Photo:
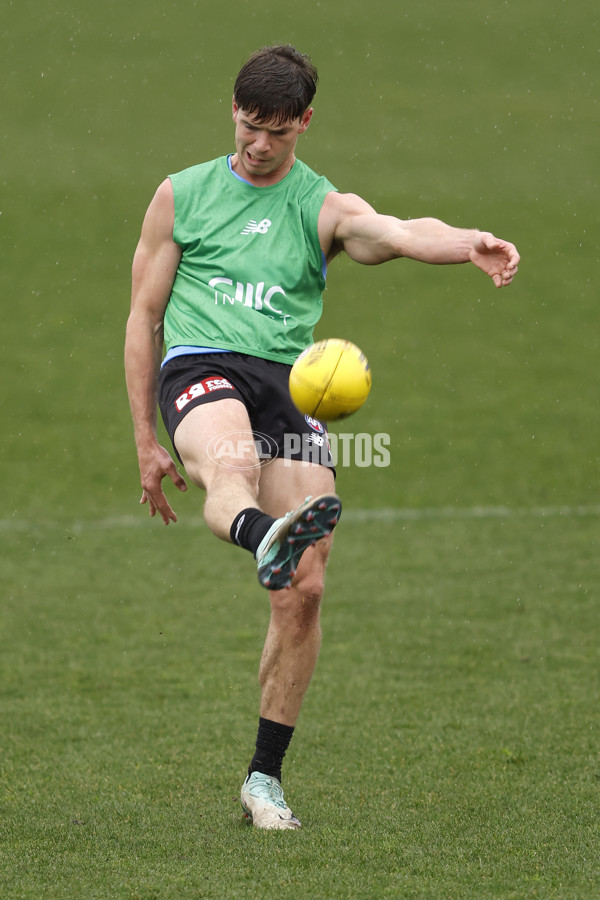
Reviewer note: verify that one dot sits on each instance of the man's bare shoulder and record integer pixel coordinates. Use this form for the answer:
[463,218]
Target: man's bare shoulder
[160,215]
[338,208]
[336,203]
[163,197]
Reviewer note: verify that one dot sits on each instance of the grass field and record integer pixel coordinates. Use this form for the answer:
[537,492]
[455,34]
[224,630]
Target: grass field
[448,747]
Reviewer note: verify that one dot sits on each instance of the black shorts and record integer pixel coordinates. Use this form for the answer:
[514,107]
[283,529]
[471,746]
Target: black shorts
[279,429]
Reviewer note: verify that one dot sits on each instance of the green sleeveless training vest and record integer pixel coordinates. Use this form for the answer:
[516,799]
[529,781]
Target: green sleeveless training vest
[251,274]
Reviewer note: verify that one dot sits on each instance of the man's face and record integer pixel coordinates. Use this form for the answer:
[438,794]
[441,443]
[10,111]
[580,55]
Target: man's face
[265,150]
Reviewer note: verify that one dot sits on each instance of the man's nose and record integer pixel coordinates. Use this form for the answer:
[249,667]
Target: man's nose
[262,142]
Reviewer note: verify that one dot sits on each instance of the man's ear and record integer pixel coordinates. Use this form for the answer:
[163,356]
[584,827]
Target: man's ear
[305,120]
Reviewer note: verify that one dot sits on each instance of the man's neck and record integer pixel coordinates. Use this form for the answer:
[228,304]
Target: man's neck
[257,180]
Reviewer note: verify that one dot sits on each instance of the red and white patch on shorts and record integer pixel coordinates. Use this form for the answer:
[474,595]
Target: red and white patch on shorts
[315,424]
[206,386]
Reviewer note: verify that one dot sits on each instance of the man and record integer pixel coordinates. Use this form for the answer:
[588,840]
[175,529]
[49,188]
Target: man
[228,273]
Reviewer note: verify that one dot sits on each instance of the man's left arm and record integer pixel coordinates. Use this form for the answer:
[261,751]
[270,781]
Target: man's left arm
[348,223]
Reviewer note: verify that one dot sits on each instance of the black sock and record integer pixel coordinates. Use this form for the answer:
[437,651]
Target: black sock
[249,528]
[272,741]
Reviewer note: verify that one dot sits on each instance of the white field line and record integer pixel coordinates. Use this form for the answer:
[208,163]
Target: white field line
[381,514]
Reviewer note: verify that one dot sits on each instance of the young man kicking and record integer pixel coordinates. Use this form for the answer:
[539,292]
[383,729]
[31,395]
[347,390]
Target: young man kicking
[228,275]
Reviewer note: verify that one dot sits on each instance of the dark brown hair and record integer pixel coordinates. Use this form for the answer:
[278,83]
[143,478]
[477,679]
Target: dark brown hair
[276,83]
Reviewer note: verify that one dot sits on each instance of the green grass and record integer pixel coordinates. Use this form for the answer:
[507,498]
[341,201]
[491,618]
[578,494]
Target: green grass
[449,741]
[448,747]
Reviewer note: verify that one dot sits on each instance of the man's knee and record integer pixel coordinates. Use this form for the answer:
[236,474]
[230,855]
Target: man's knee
[309,588]
[296,611]
[210,475]
[303,600]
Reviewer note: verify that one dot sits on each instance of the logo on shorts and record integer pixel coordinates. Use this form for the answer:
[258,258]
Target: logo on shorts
[315,424]
[207,386]
[254,227]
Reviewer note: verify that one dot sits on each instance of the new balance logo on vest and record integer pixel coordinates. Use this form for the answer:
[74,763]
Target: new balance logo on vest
[254,227]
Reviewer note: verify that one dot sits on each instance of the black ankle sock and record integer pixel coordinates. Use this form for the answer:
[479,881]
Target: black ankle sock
[272,741]
[249,528]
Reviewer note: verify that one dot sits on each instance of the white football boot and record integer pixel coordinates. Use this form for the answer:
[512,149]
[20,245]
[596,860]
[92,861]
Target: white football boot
[263,802]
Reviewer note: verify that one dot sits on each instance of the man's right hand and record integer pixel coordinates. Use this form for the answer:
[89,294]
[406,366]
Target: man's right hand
[154,467]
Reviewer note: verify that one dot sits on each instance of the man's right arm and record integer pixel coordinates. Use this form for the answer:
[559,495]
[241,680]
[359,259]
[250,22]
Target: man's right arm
[155,264]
